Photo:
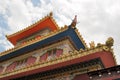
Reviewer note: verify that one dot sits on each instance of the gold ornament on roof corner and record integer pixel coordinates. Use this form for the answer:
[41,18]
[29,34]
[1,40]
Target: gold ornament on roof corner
[106,48]
[74,22]
[92,44]
[51,14]
[109,42]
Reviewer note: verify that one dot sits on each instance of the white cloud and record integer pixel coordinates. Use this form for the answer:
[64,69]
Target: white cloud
[98,19]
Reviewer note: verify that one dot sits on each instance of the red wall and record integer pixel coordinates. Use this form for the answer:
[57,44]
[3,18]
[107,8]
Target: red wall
[108,60]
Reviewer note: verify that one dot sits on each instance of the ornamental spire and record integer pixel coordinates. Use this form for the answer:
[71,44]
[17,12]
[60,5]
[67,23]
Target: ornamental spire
[73,24]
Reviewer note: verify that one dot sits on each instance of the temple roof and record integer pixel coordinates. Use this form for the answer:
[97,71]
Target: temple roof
[47,21]
[56,35]
[66,32]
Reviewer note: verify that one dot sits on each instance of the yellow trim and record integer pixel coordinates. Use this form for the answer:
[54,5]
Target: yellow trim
[81,38]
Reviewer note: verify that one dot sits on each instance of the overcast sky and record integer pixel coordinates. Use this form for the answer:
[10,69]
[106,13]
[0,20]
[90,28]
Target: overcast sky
[97,19]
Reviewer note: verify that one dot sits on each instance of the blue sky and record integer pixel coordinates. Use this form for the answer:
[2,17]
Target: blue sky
[35,2]
[99,19]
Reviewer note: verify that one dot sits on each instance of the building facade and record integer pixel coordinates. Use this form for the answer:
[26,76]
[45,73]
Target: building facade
[45,51]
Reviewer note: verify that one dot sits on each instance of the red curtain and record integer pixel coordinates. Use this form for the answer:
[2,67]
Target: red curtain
[11,66]
[1,69]
[31,60]
[59,52]
[44,57]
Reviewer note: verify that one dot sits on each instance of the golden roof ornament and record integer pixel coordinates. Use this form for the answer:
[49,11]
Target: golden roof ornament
[51,14]
[74,22]
[109,42]
[92,44]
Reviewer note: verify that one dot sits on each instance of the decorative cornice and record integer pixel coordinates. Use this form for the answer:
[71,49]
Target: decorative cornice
[41,51]
[74,72]
[62,58]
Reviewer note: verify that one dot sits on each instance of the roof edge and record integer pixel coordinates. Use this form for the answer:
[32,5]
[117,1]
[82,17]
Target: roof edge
[34,41]
[50,15]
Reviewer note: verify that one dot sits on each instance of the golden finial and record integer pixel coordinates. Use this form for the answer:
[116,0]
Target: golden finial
[109,42]
[51,14]
[74,22]
[92,44]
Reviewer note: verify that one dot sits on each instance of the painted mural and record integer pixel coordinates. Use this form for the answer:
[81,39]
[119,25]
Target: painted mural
[43,54]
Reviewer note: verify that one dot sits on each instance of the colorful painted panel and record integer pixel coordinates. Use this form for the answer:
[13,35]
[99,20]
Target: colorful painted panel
[55,50]
[34,36]
[59,52]
[46,53]
[44,57]
[31,60]
[11,66]
[51,54]
[21,63]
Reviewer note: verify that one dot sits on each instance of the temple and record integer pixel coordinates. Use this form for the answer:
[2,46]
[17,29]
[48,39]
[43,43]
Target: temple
[45,51]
